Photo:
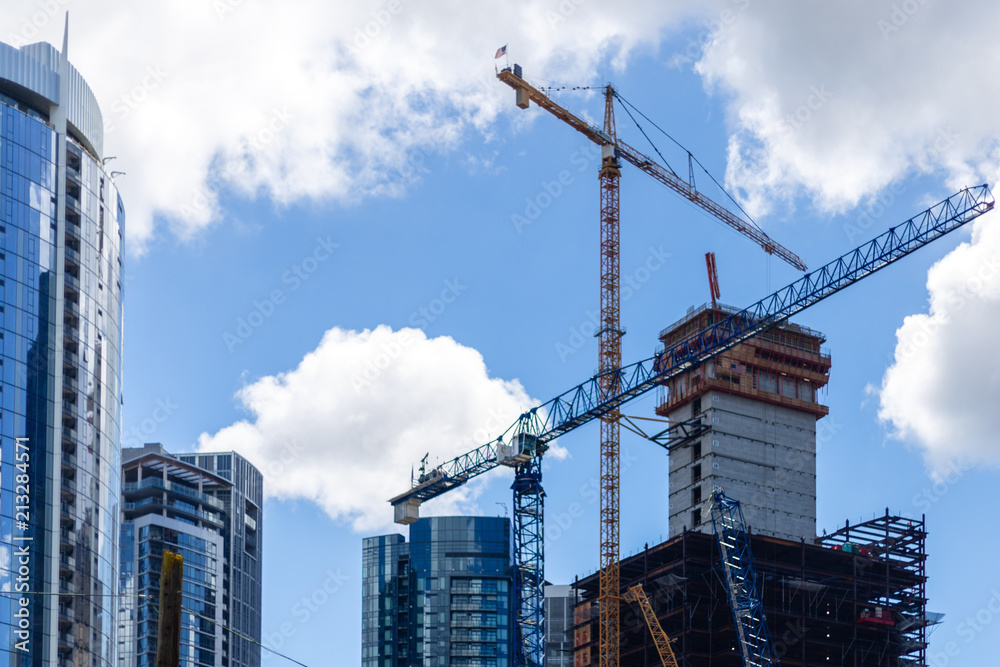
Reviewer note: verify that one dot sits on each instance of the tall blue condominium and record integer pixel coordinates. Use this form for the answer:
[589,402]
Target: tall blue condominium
[443,598]
[61,224]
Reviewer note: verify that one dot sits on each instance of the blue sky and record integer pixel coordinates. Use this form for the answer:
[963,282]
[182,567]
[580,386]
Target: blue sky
[329,268]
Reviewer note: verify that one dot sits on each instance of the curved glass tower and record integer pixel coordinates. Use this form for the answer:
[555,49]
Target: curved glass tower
[61,226]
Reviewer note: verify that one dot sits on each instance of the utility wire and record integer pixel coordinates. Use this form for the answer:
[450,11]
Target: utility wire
[150,598]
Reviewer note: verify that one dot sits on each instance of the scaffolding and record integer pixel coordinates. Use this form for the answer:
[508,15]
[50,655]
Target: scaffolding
[855,598]
[892,557]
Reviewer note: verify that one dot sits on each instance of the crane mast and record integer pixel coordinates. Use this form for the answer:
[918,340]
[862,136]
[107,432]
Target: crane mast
[609,354]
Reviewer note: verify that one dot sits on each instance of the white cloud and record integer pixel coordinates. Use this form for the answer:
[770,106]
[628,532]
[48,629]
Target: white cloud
[838,100]
[943,388]
[344,428]
[313,99]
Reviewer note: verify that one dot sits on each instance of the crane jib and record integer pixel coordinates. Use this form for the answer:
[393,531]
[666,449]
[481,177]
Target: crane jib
[586,402]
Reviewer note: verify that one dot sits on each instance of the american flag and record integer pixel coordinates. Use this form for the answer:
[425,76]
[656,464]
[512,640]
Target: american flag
[502,51]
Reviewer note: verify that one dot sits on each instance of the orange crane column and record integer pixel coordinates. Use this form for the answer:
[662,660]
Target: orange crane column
[609,360]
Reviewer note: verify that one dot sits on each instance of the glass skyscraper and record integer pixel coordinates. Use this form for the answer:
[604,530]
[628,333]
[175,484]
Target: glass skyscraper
[61,226]
[243,502]
[444,598]
[168,505]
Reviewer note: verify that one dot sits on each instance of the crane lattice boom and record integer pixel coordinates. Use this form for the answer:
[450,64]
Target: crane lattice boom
[741,580]
[585,402]
[660,638]
[526,92]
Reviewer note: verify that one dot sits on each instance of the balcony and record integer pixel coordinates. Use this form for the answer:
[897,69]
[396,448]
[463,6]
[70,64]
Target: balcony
[71,336]
[73,202]
[73,229]
[69,415]
[180,489]
[68,487]
[72,259]
[67,540]
[73,173]
[66,616]
[72,283]
[67,562]
[157,505]
[66,518]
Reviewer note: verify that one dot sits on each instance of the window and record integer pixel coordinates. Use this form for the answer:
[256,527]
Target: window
[696,495]
[696,451]
[695,473]
[695,518]
[696,407]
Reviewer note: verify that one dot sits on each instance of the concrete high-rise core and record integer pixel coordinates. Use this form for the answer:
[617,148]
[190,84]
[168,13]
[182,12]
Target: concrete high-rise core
[759,401]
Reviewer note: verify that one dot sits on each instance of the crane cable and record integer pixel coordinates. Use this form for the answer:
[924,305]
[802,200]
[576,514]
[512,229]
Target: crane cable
[627,104]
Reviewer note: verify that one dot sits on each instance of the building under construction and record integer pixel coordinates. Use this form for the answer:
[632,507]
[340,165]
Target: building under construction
[855,597]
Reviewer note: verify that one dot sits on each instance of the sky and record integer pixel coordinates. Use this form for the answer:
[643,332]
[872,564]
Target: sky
[347,247]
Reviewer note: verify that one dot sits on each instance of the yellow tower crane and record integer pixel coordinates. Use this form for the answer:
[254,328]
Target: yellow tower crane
[610,333]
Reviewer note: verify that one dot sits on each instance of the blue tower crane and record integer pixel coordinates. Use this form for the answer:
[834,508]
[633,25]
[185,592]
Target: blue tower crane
[741,580]
[524,442]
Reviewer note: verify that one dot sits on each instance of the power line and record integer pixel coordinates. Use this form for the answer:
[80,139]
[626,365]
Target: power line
[223,626]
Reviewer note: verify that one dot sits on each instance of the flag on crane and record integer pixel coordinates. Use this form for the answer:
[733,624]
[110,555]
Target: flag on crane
[502,51]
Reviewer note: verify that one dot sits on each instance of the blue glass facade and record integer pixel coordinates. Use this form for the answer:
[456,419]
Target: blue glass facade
[444,598]
[243,502]
[61,225]
[170,506]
